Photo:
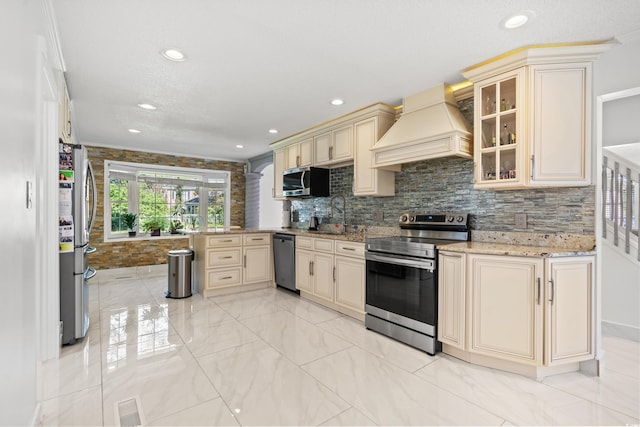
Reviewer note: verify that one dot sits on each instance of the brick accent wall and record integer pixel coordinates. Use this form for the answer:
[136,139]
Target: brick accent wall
[152,251]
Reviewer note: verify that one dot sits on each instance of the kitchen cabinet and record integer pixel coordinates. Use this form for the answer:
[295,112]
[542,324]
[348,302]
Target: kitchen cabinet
[451,299]
[64,127]
[279,167]
[299,155]
[569,310]
[314,267]
[367,180]
[340,142]
[532,117]
[332,273]
[232,262]
[505,307]
[256,253]
[335,146]
[530,315]
[350,276]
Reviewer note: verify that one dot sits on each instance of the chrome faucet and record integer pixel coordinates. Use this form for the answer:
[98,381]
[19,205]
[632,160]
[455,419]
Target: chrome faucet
[343,210]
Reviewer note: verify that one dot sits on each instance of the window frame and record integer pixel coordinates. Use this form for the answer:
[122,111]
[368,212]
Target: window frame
[133,196]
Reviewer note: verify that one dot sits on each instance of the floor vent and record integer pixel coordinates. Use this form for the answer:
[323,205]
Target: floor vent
[128,413]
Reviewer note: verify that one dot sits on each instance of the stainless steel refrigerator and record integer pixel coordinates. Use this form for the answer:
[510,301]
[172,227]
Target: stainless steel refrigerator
[77,189]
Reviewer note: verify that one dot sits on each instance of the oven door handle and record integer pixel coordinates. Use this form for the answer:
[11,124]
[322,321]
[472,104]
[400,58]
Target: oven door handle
[426,264]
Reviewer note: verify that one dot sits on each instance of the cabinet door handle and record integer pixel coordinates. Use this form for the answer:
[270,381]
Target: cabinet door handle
[227,241]
[538,297]
[226,278]
[334,274]
[227,257]
[311,264]
[298,161]
[553,292]
[330,153]
[244,262]
[257,238]
[532,165]
[349,249]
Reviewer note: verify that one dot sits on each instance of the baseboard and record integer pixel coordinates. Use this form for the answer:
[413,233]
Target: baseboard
[621,330]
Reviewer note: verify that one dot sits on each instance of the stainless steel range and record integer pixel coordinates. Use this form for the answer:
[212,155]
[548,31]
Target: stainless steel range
[402,278]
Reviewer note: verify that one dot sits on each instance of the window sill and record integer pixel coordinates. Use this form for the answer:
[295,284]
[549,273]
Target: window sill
[140,237]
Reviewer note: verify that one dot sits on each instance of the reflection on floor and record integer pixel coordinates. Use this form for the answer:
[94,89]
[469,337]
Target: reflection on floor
[270,358]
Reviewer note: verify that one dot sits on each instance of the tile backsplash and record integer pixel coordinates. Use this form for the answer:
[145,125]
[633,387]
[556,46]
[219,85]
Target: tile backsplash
[446,185]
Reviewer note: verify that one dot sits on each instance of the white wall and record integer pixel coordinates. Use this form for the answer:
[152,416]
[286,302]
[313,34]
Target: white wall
[618,69]
[23,30]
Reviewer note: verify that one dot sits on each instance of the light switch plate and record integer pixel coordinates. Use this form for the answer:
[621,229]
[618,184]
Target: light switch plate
[521,220]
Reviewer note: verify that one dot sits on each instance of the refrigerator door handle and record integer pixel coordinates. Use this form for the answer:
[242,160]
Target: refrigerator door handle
[94,194]
[90,273]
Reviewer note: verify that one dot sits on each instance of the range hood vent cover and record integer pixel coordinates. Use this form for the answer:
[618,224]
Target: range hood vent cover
[430,127]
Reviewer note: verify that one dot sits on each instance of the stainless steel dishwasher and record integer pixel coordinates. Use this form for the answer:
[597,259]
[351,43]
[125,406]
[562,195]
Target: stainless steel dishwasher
[284,260]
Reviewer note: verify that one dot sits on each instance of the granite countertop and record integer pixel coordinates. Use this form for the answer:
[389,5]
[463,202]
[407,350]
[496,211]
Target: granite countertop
[490,248]
[358,237]
[483,242]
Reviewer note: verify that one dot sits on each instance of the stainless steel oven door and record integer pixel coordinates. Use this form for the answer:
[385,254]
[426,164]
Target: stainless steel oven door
[402,290]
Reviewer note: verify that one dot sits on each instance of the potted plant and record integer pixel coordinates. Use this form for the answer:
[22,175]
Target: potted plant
[129,220]
[175,226]
[153,226]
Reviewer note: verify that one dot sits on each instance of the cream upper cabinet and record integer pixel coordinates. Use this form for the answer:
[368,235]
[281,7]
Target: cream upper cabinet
[299,155]
[569,322]
[451,299]
[335,146]
[506,311]
[532,117]
[278,168]
[367,180]
[64,126]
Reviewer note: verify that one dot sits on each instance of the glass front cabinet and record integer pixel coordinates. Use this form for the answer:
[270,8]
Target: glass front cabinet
[532,112]
[499,122]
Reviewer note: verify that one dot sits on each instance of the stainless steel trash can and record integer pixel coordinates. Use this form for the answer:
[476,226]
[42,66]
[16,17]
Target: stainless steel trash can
[180,262]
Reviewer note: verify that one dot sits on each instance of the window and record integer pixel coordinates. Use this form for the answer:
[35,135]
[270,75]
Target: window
[164,198]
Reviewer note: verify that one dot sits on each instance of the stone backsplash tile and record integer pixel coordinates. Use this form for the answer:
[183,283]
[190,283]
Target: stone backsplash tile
[149,252]
[446,185]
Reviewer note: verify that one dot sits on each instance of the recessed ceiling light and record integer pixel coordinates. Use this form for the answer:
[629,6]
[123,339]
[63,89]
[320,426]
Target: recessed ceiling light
[273,130]
[147,106]
[517,20]
[173,55]
[239,146]
[337,101]
[134,131]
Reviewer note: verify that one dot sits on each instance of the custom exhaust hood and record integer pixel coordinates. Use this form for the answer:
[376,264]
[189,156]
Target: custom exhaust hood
[431,126]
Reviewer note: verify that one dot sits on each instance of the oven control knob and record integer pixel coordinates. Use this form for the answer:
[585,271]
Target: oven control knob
[403,218]
[412,218]
[449,219]
[459,219]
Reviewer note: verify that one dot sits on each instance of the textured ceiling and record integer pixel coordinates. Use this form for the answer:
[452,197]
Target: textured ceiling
[253,65]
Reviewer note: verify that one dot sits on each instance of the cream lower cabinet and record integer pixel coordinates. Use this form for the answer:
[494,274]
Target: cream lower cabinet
[569,310]
[336,281]
[350,277]
[528,315]
[314,267]
[231,262]
[506,307]
[451,299]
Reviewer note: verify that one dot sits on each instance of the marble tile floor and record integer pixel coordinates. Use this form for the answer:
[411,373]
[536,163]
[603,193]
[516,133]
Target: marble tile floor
[268,357]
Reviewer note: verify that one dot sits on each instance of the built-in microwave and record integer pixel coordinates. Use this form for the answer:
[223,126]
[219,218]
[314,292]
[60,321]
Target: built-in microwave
[305,182]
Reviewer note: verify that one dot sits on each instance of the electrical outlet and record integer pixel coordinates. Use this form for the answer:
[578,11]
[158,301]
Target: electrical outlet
[521,220]
[378,216]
